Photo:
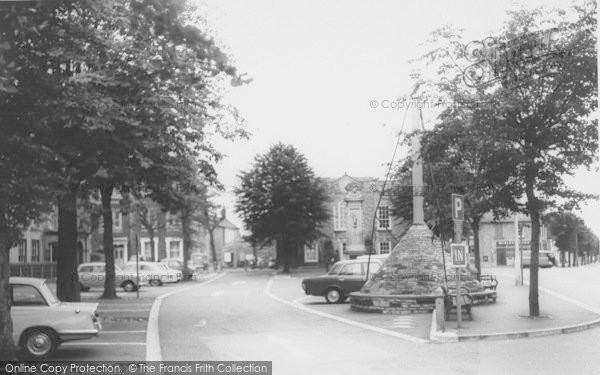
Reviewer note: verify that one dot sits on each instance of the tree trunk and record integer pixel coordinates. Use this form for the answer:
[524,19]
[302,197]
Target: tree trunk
[151,235]
[475,227]
[213,250]
[107,239]
[162,234]
[283,252]
[187,239]
[534,214]
[7,346]
[67,281]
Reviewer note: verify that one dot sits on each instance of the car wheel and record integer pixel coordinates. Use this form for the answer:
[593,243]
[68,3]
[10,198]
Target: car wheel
[129,286]
[39,343]
[334,295]
[155,282]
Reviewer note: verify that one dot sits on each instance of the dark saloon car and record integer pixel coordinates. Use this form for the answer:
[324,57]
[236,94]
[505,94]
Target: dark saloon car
[343,278]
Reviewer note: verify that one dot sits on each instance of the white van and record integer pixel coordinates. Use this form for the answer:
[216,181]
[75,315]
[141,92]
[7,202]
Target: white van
[544,259]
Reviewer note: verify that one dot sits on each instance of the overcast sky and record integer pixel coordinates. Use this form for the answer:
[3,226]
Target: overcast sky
[316,67]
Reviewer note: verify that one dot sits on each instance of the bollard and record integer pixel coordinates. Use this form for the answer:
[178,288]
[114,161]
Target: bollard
[439,309]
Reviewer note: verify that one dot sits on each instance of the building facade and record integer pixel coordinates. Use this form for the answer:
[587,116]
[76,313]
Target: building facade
[357,223]
[39,243]
[497,239]
[35,253]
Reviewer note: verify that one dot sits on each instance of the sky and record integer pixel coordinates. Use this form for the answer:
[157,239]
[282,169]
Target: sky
[320,67]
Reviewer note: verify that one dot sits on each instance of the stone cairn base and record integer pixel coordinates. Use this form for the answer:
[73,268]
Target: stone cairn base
[410,277]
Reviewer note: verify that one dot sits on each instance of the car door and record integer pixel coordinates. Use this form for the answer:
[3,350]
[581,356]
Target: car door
[85,275]
[98,276]
[350,278]
[28,307]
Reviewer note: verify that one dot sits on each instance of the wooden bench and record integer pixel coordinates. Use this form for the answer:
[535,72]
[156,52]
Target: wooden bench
[488,281]
[450,304]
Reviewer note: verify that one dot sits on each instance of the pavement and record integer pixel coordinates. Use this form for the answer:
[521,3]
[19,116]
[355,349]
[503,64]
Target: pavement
[508,318]
[124,323]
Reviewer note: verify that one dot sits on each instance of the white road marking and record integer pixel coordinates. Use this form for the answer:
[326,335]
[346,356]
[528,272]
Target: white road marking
[123,304]
[153,351]
[217,293]
[238,282]
[302,307]
[289,346]
[201,323]
[80,343]
[297,300]
[558,295]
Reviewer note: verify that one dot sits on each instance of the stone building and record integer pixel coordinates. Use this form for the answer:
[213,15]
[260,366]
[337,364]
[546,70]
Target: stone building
[497,239]
[167,235]
[35,253]
[353,209]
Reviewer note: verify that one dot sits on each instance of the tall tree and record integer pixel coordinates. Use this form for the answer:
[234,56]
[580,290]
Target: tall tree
[281,200]
[539,107]
[571,235]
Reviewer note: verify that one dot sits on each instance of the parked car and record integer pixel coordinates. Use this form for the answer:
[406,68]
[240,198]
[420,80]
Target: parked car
[176,264]
[343,278]
[155,273]
[41,322]
[545,259]
[92,275]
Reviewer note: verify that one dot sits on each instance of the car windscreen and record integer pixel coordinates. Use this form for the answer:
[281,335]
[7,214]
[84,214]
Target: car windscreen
[335,269]
[52,299]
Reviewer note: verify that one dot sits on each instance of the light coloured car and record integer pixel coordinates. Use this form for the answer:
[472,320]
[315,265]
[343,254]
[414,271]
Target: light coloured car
[92,275]
[155,273]
[41,322]
[176,264]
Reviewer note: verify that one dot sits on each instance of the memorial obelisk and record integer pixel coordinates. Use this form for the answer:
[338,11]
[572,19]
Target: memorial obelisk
[415,265]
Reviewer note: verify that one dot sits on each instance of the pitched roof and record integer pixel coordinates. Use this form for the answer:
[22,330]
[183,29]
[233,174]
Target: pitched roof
[225,223]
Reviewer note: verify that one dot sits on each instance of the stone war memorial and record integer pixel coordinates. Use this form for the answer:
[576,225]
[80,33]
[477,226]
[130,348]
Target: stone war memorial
[414,271]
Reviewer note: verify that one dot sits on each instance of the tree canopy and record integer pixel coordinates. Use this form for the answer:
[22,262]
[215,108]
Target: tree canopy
[280,199]
[531,90]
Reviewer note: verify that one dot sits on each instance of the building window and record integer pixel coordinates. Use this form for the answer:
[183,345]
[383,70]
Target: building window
[173,222]
[23,251]
[339,216]
[35,251]
[147,250]
[383,217]
[117,220]
[119,250]
[498,231]
[175,249]
[52,247]
[311,253]
[384,247]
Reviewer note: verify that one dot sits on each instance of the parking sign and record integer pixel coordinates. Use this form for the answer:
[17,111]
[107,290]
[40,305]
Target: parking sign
[459,253]
[458,207]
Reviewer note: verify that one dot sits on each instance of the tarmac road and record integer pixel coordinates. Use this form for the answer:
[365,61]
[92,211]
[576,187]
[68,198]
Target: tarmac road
[233,318]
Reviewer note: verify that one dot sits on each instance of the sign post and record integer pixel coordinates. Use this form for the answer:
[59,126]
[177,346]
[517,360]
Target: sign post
[458,251]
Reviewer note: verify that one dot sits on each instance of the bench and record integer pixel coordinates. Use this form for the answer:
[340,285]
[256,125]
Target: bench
[450,307]
[488,281]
